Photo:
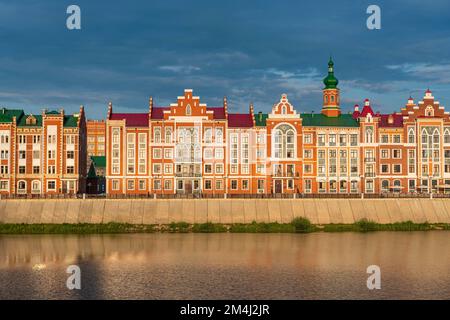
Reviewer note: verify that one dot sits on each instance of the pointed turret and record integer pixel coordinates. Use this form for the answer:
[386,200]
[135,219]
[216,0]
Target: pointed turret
[331,93]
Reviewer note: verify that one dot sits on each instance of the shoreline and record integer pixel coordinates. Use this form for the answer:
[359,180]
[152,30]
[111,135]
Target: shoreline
[298,225]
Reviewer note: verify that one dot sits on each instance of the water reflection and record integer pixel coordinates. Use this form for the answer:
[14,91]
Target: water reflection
[239,266]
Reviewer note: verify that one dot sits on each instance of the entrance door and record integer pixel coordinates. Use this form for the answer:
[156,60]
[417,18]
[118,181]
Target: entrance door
[278,186]
[188,187]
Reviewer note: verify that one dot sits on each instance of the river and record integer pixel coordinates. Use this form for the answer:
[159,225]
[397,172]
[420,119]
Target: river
[414,265]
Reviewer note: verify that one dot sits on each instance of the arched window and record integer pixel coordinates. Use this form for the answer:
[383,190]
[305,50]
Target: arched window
[168,135]
[369,135]
[411,136]
[22,186]
[385,185]
[188,110]
[332,98]
[429,111]
[436,136]
[290,144]
[283,110]
[36,186]
[208,135]
[446,135]
[284,142]
[219,135]
[157,135]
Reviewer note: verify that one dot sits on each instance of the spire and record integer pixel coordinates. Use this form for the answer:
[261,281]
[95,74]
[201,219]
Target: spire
[331,93]
[330,80]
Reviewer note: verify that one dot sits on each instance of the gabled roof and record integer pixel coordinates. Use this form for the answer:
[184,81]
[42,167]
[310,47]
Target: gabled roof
[240,120]
[320,120]
[158,112]
[219,112]
[132,119]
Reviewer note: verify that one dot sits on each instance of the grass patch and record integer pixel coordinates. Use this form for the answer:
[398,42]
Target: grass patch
[179,227]
[81,228]
[262,227]
[298,225]
[208,227]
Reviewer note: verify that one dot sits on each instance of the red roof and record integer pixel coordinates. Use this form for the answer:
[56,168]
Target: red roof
[366,110]
[219,112]
[158,112]
[132,119]
[239,120]
[397,121]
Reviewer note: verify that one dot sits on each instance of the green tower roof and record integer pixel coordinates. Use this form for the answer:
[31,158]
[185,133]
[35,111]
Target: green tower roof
[330,80]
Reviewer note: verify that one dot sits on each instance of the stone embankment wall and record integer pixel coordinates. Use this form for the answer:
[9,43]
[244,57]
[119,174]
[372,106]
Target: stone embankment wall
[150,211]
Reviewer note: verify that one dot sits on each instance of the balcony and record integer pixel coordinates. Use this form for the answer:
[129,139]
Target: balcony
[187,175]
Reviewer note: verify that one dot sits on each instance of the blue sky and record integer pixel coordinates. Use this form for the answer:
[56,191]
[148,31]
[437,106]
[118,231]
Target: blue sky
[247,50]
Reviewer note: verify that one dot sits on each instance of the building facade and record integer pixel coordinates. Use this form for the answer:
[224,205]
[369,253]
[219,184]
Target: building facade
[191,148]
[96,140]
[42,154]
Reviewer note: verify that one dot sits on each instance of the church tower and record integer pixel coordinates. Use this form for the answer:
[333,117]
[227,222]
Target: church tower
[331,93]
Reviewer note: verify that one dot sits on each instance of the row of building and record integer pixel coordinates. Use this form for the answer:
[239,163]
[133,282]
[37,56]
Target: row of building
[189,147]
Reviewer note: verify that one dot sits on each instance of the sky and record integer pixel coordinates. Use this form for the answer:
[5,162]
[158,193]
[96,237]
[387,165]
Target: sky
[247,50]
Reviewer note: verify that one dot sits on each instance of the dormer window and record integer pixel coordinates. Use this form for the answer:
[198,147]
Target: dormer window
[429,111]
[391,119]
[30,120]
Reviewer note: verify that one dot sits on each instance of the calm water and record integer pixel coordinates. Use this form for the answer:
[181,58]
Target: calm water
[227,266]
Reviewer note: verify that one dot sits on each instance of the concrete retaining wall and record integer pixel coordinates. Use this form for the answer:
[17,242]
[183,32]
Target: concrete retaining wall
[149,211]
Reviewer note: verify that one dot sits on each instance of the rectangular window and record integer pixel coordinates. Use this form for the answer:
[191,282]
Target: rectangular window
[234,184]
[51,185]
[70,169]
[142,184]
[130,184]
[307,138]
[115,185]
[208,185]
[219,168]
[244,184]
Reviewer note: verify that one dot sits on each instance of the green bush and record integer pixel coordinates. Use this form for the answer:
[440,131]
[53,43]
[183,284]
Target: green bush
[208,227]
[179,227]
[365,225]
[302,225]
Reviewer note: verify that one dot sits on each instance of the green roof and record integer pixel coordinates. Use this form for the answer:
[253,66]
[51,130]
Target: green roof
[52,112]
[70,121]
[330,80]
[23,121]
[6,115]
[260,119]
[320,120]
[99,161]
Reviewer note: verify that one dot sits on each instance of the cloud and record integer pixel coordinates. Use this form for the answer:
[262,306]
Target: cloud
[180,69]
[439,73]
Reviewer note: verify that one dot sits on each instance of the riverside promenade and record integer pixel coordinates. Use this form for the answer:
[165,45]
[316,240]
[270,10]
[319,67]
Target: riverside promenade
[225,211]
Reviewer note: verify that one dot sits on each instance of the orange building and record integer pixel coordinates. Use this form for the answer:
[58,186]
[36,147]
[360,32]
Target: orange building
[96,140]
[191,148]
[42,154]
